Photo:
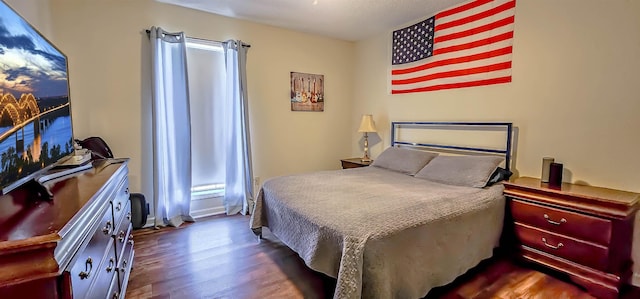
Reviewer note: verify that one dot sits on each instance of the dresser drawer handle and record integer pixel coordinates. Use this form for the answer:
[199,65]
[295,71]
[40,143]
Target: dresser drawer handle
[88,266]
[124,266]
[128,216]
[107,228]
[116,295]
[551,246]
[112,263]
[119,206]
[121,236]
[554,222]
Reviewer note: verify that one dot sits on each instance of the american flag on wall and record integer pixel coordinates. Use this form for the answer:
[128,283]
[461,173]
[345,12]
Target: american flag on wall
[467,45]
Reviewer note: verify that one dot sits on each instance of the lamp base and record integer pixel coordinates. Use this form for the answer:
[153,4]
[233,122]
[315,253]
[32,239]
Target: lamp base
[366,149]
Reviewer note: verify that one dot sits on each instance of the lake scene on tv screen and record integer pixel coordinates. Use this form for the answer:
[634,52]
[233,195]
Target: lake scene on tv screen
[35,117]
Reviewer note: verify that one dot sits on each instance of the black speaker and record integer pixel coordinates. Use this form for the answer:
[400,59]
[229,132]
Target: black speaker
[555,175]
[139,210]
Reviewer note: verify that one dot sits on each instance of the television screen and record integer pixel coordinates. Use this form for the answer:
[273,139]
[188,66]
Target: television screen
[35,116]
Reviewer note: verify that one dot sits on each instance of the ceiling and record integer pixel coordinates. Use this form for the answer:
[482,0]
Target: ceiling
[350,20]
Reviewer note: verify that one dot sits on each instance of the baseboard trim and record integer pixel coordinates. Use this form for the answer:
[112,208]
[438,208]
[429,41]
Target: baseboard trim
[195,214]
[636,280]
[150,222]
[207,212]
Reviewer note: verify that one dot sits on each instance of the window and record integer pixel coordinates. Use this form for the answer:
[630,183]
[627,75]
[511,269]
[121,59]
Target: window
[207,82]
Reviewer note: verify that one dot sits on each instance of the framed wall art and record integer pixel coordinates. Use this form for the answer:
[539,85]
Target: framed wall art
[307,92]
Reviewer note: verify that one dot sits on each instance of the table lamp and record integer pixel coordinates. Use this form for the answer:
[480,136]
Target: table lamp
[367,126]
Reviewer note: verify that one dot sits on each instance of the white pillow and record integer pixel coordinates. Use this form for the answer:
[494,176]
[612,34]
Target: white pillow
[403,160]
[470,171]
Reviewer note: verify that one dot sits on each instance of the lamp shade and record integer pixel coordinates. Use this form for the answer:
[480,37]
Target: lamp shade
[367,125]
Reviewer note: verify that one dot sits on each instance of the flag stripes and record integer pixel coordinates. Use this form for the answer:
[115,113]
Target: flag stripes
[472,46]
[472,18]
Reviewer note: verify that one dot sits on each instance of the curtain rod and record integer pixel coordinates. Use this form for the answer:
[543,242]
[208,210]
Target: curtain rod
[209,40]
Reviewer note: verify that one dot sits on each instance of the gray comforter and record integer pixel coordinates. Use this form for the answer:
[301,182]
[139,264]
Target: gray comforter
[382,234]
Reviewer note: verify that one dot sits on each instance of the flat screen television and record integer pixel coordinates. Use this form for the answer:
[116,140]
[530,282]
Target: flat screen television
[35,113]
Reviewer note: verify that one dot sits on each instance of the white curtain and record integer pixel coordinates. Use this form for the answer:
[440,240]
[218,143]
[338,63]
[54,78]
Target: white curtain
[239,183]
[171,128]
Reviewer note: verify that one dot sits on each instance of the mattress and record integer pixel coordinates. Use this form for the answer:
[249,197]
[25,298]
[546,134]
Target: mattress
[380,233]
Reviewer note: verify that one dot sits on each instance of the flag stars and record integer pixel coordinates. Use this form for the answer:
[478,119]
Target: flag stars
[413,43]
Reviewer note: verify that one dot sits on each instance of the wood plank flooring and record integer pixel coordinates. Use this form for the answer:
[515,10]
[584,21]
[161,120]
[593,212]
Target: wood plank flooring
[219,257]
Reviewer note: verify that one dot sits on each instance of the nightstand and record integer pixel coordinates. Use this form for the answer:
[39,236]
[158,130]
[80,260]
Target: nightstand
[354,162]
[584,232]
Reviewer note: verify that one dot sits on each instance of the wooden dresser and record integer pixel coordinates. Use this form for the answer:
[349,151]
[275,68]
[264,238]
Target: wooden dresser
[77,245]
[583,232]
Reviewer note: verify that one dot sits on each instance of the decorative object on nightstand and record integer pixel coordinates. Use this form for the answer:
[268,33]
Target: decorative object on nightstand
[555,175]
[582,231]
[546,165]
[367,126]
[354,163]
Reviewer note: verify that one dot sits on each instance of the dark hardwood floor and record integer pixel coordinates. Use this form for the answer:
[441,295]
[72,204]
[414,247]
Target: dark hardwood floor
[219,257]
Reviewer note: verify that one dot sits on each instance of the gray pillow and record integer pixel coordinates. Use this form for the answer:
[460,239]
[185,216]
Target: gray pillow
[403,160]
[470,171]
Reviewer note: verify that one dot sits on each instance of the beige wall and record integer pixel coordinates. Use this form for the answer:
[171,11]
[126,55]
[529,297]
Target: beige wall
[36,12]
[575,93]
[109,71]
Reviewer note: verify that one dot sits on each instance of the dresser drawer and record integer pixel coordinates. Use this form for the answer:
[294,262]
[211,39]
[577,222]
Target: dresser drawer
[564,222]
[125,264]
[122,239]
[105,275]
[86,266]
[114,290]
[122,232]
[583,252]
[120,201]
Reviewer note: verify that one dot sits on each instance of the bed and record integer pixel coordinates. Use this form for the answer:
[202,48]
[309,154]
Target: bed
[412,221]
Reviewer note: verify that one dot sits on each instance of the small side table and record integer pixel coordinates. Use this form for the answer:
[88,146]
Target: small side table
[584,231]
[354,162]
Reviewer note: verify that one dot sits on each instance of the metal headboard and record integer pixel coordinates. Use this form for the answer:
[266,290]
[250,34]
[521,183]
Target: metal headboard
[508,127]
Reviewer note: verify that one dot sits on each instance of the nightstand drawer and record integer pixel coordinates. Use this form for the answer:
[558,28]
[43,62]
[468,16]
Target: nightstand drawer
[572,224]
[585,253]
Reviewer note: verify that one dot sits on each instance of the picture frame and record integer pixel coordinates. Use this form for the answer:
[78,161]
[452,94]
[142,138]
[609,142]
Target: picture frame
[307,92]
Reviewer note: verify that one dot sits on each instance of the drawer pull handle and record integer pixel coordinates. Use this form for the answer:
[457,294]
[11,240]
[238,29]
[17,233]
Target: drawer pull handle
[107,228]
[121,236]
[128,216]
[126,191]
[88,266]
[551,246]
[554,222]
[116,295]
[111,264]
[119,206]
[124,266]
